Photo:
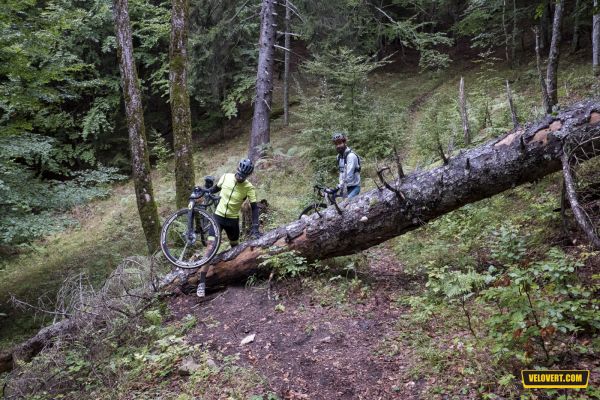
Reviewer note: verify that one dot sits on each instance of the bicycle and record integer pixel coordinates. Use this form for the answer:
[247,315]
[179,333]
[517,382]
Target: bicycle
[329,196]
[184,234]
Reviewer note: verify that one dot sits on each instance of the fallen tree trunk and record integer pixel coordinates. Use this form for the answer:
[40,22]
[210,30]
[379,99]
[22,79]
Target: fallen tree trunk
[30,348]
[522,155]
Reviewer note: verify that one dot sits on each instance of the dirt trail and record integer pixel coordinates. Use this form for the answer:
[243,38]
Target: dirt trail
[311,351]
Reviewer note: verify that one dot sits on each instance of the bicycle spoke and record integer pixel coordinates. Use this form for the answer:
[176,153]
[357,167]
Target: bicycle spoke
[183,251]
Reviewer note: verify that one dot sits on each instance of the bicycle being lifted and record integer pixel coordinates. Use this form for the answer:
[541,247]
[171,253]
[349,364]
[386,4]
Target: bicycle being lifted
[326,197]
[184,237]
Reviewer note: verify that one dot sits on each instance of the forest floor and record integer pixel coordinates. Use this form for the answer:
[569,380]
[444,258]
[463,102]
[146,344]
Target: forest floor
[309,347]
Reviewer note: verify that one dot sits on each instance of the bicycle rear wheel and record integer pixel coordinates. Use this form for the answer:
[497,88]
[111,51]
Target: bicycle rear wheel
[313,208]
[187,248]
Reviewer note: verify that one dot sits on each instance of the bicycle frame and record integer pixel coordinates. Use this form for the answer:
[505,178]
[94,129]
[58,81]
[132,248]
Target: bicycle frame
[209,201]
[329,196]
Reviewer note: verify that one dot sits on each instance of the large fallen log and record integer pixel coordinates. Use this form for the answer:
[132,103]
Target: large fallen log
[522,155]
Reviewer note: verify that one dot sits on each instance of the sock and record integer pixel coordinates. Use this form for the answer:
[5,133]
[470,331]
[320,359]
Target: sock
[202,277]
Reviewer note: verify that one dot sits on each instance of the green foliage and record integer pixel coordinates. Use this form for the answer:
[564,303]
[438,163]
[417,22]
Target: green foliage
[160,151]
[284,265]
[534,306]
[538,302]
[414,35]
[60,105]
[439,127]
[223,55]
[344,103]
[366,28]
[28,202]
[485,21]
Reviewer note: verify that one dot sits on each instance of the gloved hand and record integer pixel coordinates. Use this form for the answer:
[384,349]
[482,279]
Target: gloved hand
[254,232]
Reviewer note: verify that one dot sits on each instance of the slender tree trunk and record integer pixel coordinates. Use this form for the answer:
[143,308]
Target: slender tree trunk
[286,71]
[513,111]
[538,57]
[140,163]
[462,101]
[576,23]
[544,22]
[552,71]
[596,40]
[505,30]
[578,211]
[180,103]
[260,135]
[522,155]
[514,35]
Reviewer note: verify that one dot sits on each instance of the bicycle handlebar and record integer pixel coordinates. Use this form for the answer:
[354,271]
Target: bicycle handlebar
[198,192]
[321,189]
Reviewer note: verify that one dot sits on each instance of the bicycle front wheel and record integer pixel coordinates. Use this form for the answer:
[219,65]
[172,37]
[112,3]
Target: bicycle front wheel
[313,208]
[190,238]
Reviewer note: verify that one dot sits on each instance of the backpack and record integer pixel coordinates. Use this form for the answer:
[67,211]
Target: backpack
[346,160]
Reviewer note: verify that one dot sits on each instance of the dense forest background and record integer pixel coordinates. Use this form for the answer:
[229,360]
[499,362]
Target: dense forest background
[496,286]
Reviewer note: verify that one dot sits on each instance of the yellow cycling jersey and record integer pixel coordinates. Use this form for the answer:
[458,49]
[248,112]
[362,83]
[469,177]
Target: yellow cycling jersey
[233,195]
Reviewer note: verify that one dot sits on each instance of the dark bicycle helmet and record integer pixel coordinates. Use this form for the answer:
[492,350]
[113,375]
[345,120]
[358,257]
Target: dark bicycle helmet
[245,167]
[209,181]
[338,136]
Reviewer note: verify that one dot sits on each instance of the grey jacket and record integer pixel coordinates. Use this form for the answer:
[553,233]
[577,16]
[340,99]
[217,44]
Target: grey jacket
[348,174]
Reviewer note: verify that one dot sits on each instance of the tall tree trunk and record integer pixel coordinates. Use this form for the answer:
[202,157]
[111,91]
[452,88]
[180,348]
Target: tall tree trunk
[286,68]
[180,103]
[140,163]
[514,35]
[462,102]
[523,155]
[260,135]
[576,23]
[596,40]
[552,72]
[505,31]
[544,23]
[538,58]
[511,105]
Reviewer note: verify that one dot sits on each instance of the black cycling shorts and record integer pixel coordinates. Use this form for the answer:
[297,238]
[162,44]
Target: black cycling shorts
[230,225]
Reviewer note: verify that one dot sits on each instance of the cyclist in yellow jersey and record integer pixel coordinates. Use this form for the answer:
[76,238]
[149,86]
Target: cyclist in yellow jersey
[234,188]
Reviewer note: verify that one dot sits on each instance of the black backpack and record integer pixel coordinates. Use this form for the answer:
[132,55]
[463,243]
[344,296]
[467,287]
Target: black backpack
[346,160]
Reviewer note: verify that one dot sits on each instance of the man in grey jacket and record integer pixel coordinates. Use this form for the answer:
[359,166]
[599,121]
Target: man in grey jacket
[349,166]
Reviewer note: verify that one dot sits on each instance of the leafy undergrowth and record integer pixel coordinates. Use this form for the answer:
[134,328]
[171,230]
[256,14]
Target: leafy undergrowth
[507,289]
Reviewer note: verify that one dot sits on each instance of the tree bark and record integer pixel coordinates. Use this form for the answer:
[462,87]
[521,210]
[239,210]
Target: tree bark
[462,101]
[180,103]
[30,348]
[538,58]
[505,31]
[511,105]
[514,36]
[596,40]
[140,163]
[544,23]
[576,23]
[286,68]
[578,211]
[260,135]
[552,71]
[522,155]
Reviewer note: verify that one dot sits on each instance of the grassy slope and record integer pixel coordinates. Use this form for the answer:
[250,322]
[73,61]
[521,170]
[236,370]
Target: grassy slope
[110,230]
